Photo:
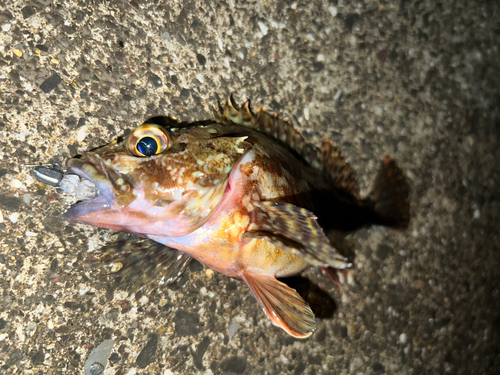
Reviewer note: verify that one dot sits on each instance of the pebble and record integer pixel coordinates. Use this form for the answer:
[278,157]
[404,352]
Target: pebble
[17,52]
[81,134]
[403,338]
[307,113]
[50,83]
[263,28]
[164,342]
[235,365]
[28,12]
[378,110]
[13,217]
[209,273]
[201,59]
[148,353]
[16,184]
[233,328]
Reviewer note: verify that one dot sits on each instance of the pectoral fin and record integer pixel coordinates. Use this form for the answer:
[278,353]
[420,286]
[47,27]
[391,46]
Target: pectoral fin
[283,305]
[295,229]
[140,262]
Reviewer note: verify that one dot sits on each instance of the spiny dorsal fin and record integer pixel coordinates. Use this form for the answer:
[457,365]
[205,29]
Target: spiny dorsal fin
[272,125]
[328,160]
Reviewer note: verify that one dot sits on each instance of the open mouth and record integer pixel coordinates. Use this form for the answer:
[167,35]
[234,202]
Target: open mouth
[89,186]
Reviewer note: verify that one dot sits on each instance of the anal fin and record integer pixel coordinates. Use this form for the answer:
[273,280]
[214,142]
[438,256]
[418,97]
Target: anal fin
[140,262]
[283,305]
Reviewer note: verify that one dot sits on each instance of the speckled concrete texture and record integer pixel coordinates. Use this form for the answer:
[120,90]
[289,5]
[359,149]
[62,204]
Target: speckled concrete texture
[415,79]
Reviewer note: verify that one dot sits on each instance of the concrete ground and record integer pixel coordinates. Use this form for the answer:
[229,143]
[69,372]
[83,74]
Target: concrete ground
[415,79]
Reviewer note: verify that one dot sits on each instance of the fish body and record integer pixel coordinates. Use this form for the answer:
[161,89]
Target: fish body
[244,194]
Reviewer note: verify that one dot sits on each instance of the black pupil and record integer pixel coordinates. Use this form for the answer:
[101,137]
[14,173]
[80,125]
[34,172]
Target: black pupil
[147,146]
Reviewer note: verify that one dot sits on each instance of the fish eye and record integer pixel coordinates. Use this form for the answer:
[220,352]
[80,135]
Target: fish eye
[148,145]
[148,140]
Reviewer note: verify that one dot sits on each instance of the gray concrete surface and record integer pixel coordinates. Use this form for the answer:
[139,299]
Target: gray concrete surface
[415,79]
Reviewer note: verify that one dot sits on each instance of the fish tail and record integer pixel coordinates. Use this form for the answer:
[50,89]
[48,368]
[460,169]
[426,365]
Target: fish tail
[389,196]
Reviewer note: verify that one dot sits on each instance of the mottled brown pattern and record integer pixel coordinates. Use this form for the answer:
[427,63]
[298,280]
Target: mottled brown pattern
[246,196]
[195,159]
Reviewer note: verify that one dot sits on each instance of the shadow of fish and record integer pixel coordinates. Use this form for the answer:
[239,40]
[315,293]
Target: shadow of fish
[245,194]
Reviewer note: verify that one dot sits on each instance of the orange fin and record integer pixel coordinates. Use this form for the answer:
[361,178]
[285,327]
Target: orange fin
[295,229]
[140,262]
[283,305]
[389,196]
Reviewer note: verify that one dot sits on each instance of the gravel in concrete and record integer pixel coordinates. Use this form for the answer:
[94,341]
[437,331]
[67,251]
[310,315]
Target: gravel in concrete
[418,80]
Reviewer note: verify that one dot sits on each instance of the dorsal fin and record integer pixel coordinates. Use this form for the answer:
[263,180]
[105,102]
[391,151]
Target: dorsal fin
[327,160]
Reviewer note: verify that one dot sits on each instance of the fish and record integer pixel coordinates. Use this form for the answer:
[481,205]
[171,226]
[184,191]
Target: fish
[244,193]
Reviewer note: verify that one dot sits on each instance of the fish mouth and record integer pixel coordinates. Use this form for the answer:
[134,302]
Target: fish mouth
[102,201]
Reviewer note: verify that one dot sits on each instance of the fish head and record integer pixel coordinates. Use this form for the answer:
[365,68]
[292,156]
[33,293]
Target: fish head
[158,180]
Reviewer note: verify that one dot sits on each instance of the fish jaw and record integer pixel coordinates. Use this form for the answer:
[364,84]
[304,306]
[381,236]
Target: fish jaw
[101,202]
[134,212]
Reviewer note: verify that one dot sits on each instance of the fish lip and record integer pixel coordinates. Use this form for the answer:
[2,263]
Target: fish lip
[103,200]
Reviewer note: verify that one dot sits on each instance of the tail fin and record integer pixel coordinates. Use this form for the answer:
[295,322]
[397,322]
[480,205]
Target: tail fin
[389,196]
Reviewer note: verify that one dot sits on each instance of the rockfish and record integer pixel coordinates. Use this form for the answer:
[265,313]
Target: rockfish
[244,194]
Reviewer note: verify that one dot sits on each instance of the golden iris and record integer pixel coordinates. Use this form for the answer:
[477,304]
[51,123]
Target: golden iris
[148,140]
